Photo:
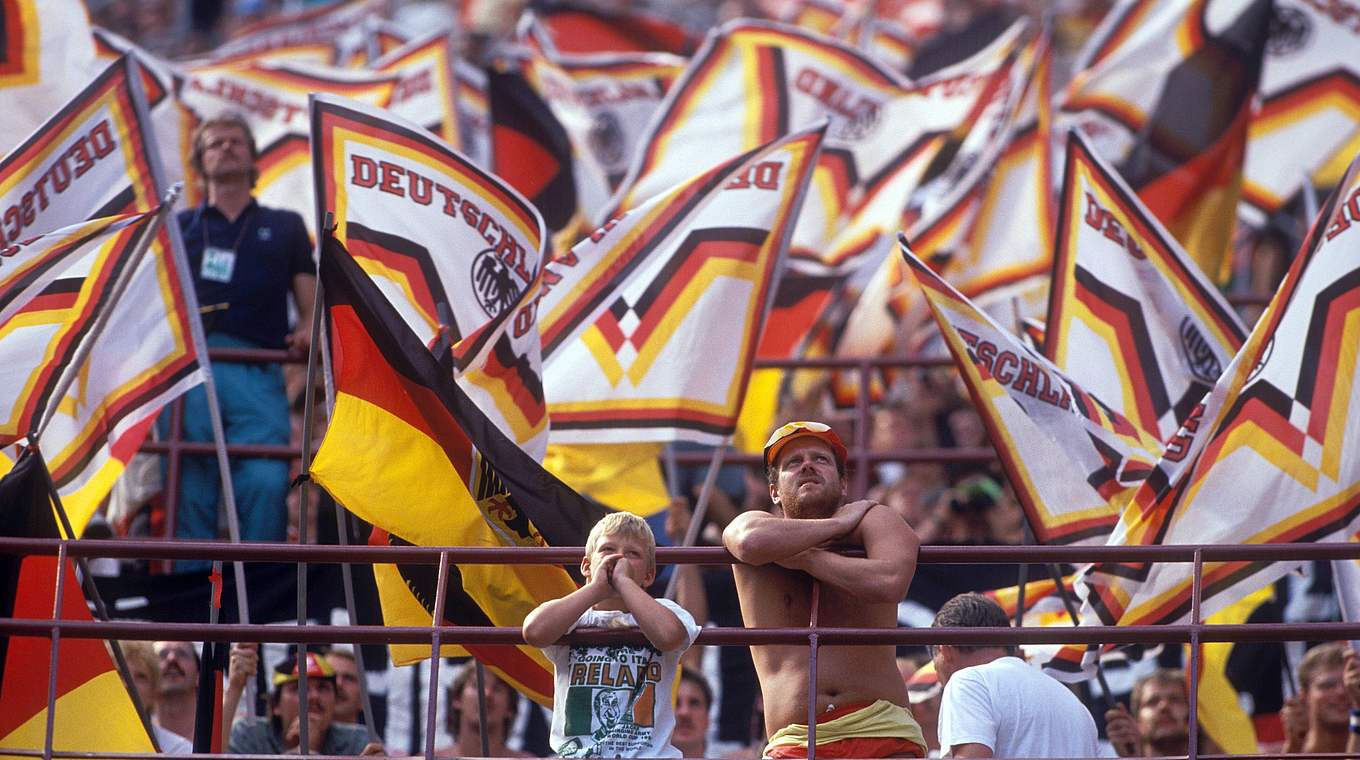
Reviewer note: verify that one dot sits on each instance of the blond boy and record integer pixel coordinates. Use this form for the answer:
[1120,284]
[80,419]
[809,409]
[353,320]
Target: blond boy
[614,700]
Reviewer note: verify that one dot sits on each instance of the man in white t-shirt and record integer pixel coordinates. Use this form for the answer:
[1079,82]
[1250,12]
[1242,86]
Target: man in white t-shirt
[995,704]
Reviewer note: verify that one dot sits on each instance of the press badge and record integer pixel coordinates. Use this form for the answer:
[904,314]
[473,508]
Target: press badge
[218,264]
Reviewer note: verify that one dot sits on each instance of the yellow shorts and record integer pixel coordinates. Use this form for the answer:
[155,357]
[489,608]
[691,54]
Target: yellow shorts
[881,729]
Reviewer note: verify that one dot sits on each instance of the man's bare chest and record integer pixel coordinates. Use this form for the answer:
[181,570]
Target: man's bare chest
[773,597]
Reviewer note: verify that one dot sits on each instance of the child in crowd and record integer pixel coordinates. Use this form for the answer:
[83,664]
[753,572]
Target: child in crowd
[614,700]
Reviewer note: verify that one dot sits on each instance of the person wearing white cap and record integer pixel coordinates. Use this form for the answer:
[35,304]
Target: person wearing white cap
[785,557]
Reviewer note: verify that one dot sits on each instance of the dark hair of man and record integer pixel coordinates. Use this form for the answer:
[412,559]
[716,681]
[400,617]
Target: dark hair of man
[1168,676]
[455,693]
[225,120]
[973,610]
[697,678]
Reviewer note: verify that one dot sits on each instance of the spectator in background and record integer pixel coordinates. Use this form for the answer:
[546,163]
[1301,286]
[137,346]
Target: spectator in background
[1159,722]
[693,699]
[242,664]
[348,697]
[464,722]
[177,697]
[281,732]
[996,705]
[145,670]
[1319,718]
[245,259]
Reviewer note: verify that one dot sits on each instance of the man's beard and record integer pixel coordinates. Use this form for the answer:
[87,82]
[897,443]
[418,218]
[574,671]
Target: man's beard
[822,503]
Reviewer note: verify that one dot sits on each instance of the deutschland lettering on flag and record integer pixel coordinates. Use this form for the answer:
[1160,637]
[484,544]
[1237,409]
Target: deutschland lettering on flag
[409,452]
[1071,459]
[682,281]
[437,234]
[94,711]
[1131,317]
[90,159]
[96,158]
[1270,456]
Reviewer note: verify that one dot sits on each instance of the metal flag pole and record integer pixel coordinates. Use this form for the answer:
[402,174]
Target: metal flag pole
[701,507]
[1310,201]
[200,344]
[308,404]
[1022,573]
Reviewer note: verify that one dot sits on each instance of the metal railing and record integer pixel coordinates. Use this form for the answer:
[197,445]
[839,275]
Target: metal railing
[1194,632]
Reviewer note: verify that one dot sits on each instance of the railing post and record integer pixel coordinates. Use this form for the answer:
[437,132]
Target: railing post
[1192,738]
[432,704]
[58,598]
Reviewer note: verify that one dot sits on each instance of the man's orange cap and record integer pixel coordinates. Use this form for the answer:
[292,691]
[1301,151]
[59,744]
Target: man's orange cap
[795,430]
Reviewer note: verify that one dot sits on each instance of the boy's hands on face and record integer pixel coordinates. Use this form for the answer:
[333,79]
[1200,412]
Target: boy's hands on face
[602,576]
[623,570]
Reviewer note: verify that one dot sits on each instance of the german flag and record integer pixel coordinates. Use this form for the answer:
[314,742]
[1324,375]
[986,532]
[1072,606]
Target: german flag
[1182,90]
[530,149]
[88,683]
[408,451]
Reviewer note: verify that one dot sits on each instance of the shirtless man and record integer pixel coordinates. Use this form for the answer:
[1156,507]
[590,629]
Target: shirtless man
[861,699]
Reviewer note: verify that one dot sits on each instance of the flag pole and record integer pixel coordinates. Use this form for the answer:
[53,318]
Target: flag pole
[304,490]
[199,341]
[1022,572]
[200,344]
[701,507]
[92,594]
[1310,201]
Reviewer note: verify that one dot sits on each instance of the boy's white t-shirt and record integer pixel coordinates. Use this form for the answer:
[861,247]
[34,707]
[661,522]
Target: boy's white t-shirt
[615,701]
[1017,711]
